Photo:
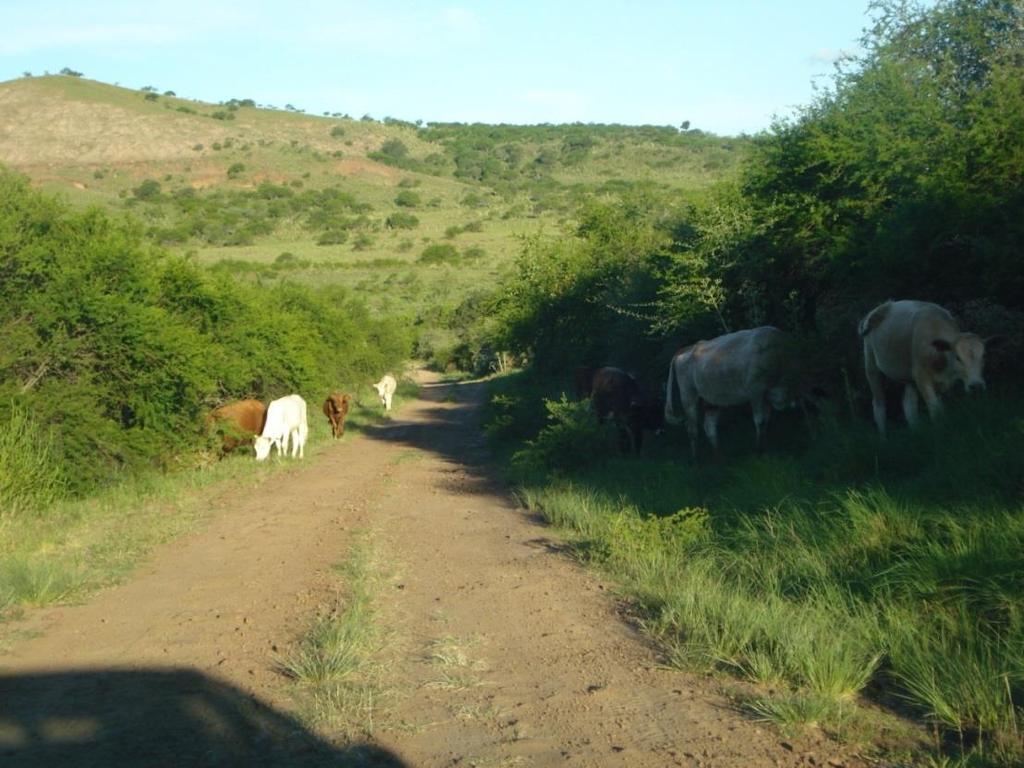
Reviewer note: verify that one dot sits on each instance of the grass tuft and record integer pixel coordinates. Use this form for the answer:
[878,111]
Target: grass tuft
[335,664]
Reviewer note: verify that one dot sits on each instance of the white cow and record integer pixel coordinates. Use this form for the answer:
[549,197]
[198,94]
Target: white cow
[755,366]
[286,419]
[920,345]
[386,389]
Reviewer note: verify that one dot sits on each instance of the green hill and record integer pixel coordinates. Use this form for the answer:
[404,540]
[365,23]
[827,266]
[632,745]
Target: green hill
[269,193]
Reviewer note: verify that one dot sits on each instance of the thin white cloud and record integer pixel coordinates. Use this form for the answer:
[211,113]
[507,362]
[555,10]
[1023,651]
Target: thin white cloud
[39,39]
[101,22]
[829,55]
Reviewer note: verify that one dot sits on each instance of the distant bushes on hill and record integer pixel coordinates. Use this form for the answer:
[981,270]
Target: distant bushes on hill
[238,216]
[113,351]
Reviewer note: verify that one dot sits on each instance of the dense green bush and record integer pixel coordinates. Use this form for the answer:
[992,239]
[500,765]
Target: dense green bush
[118,350]
[439,253]
[408,199]
[147,190]
[401,220]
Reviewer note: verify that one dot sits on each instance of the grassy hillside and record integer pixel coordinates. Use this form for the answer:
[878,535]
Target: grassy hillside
[238,185]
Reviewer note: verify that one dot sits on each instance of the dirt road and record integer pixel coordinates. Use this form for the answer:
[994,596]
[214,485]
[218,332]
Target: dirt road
[502,651]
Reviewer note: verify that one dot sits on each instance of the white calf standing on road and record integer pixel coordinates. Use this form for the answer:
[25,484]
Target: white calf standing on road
[386,389]
[286,418]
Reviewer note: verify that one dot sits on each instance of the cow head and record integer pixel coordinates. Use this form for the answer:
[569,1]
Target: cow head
[962,359]
[262,446]
[647,413]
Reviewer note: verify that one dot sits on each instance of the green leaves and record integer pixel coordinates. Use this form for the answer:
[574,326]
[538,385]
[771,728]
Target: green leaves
[118,350]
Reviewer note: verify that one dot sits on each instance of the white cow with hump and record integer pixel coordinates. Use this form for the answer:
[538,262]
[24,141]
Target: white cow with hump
[386,389]
[920,345]
[286,420]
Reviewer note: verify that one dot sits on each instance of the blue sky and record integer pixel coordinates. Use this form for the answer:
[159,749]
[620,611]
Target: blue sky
[727,66]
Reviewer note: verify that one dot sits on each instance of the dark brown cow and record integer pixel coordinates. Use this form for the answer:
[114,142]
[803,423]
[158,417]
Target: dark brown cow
[583,381]
[238,423]
[615,392]
[336,409]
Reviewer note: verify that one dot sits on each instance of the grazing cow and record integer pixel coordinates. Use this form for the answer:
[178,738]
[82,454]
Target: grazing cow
[583,381]
[755,366]
[919,345]
[615,392]
[386,389]
[336,409]
[286,419]
[238,422]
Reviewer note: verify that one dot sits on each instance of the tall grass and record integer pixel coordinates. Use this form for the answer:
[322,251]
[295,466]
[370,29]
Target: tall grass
[31,476]
[833,569]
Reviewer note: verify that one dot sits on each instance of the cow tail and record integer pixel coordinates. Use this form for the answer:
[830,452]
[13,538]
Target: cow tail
[670,415]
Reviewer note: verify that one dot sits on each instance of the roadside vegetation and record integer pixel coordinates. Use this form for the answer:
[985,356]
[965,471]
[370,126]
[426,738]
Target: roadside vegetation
[113,353]
[859,584]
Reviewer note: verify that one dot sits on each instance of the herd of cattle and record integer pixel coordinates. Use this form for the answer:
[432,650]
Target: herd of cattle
[913,343]
[284,421]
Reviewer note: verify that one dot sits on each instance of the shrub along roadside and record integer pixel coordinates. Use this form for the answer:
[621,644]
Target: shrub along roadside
[114,351]
[832,572]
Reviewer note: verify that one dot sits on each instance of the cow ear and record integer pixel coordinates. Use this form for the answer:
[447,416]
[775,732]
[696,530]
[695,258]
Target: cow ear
[994,341]
[942,345]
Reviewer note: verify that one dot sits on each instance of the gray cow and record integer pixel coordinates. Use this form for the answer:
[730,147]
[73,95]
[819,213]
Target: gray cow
[756,366]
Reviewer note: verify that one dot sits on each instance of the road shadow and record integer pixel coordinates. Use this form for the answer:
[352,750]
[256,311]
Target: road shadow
[448,428]
[156,717]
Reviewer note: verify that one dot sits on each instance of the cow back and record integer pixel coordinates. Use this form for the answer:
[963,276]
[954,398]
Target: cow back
[239,421]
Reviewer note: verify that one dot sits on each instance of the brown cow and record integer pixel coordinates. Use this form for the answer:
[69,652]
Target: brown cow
[238,423]
[336,409]
[615,392]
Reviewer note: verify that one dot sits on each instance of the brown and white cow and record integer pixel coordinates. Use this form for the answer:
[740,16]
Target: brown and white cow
[336,409]
[618,394]
[919,345]
[756,366]
[238,423]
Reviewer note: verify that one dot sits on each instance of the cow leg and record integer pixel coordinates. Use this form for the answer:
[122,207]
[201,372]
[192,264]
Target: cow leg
[762,410]
[625,436]
[931,399]
[910,405]
[877,386]
[711,429]
[691,425]
[637,430]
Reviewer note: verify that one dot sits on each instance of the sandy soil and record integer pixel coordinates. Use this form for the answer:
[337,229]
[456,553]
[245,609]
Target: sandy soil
[502,651]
